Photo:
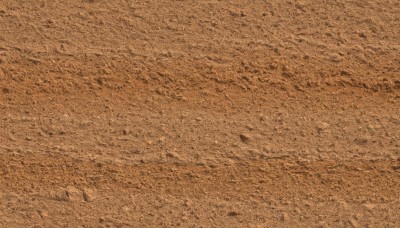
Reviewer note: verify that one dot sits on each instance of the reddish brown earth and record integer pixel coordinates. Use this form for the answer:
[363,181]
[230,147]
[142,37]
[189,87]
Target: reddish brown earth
[199,113]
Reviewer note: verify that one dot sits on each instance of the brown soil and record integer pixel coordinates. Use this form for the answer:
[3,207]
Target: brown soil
[199,113]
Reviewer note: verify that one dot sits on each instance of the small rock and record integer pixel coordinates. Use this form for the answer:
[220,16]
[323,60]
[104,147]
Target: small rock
[267,149]
[322,224]
[361,141]
[233,213]
[343,204]
[43,214]
[73,194]
[362,35]
[245,138]
[6,90]
[250,127]
[299,88]
[88,195]
[173,154]
[307,203]
[100,81]
[187,203]
[369,206]
[125,208]
[262,118]
[69,194]
[353,223]
[285,217]
[371,127]
[322,126]
[345,73]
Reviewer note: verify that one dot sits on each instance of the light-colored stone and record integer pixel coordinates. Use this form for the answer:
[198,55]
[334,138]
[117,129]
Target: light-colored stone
[88,195]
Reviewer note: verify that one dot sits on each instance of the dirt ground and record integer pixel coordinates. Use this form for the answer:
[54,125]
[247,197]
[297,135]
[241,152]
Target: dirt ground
[160,113]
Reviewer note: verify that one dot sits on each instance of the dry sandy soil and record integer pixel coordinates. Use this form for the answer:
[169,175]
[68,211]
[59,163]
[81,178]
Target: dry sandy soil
[160,113]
